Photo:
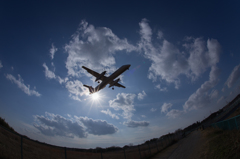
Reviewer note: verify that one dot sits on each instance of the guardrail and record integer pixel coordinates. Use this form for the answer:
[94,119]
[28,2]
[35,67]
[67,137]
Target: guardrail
[14,145]
[229,124]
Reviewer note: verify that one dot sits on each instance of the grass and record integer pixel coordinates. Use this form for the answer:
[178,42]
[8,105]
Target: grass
[221,144]
[5,124]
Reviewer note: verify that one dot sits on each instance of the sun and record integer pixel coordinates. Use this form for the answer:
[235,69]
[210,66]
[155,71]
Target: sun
[95,96]
[95,99]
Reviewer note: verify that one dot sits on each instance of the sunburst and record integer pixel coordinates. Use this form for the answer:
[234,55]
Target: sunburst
[95,96]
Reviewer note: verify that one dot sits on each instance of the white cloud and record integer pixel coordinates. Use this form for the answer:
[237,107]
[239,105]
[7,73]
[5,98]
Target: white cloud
[141,95]
[76,89]
[223,89]
[52,51]
[145,31]
[174,113]
[1,65]
[168,62]
[220,99]
[165,107]
[201,97]
[162,58]
[135,124]
[153,109]
[161,89]
[48,74]
[202,56]
[234,76]
[108,112]
[22,86]
[56,125]
[160,35]
[98,127]
[214,94]
[124,101]
[51,75]
[94,48]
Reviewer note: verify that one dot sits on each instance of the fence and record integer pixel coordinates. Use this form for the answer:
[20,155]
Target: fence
[233,105]
[14,145]
[230,124]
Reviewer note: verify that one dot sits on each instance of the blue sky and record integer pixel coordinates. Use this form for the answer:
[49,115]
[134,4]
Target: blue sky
[184,60]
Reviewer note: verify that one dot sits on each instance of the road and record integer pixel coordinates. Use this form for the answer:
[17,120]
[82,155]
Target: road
[187,148]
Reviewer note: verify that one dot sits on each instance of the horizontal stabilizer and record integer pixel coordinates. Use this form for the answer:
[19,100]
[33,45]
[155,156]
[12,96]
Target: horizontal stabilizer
[90,88]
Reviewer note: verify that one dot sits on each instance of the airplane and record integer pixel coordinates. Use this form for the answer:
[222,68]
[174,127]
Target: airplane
[106,80]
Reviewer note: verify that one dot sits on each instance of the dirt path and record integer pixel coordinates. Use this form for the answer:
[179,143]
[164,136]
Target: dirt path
[187,148]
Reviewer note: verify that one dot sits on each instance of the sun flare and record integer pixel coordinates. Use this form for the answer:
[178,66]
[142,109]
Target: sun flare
[95,96]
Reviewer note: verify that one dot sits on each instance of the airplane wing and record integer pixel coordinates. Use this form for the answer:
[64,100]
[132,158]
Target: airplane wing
[115,83]
[119,85]
[94,73]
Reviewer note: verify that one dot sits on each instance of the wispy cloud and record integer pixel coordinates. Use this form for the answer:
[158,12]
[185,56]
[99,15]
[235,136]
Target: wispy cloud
[221,99]
[22,86]
[76,89]
[201,97]
[135,124]
[48,74]
[214,94]
[1,64]
[53,50]
[51,75]
[161,89]
[165,107]
[234,76]
[108,112]
[141,95]
[174,113]
[153,109]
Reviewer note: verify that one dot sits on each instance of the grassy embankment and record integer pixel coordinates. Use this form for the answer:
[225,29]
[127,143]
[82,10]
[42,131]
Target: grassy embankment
[5,124]
[222,144]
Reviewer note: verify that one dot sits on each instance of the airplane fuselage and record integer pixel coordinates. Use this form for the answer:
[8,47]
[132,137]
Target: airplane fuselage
[111,78]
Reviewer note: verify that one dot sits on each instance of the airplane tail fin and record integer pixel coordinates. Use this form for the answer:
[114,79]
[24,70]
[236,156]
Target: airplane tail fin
[90,88]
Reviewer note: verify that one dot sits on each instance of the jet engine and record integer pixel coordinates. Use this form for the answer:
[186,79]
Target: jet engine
[114,82]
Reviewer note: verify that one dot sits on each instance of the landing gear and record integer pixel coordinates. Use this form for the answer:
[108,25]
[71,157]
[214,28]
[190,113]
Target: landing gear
[112,88]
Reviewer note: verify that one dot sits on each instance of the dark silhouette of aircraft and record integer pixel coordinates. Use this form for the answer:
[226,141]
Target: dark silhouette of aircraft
[106,80]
